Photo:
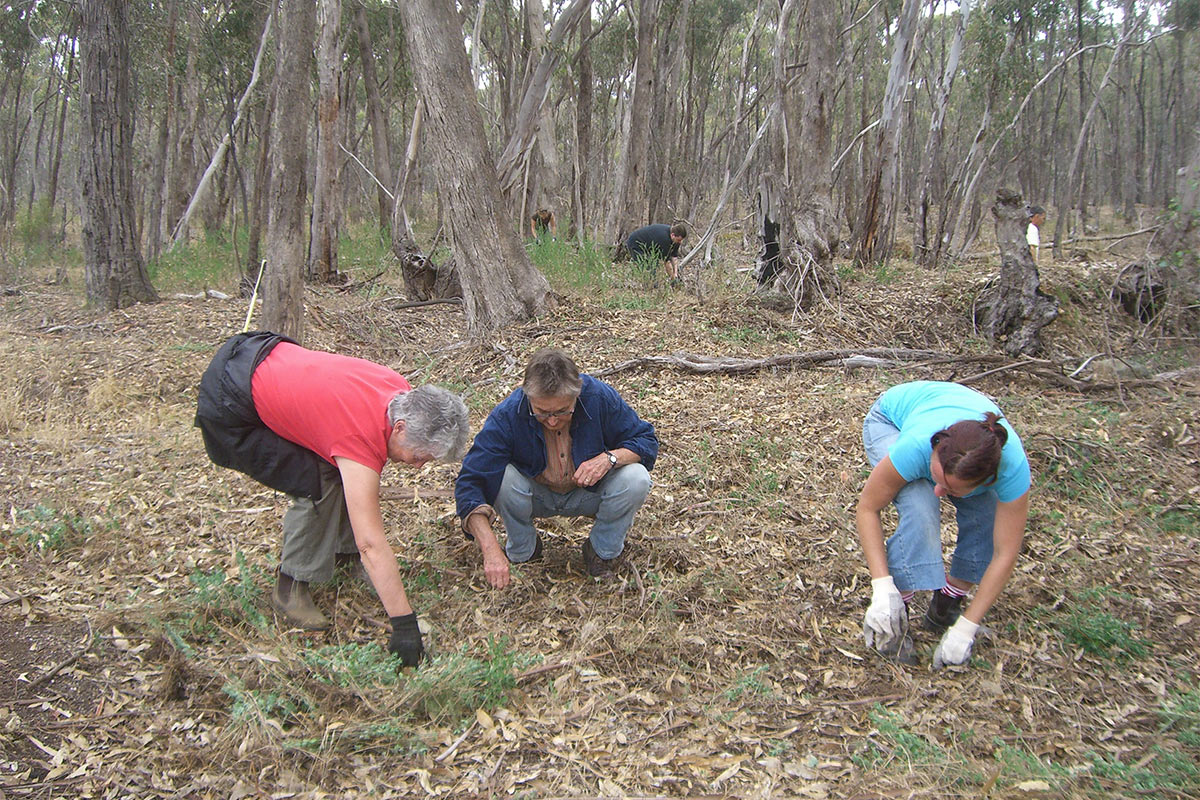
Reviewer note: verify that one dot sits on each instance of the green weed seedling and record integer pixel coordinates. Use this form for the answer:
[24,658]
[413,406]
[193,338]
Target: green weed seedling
[353,665]
[1021,765]
[1166,770]
[1181,715]
[452,686]
[45,529]
[1089,626]
[237,600]
[751,683]
[899,747]
[253,707]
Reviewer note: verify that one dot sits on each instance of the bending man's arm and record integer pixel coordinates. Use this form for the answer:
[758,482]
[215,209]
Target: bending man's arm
[361,484]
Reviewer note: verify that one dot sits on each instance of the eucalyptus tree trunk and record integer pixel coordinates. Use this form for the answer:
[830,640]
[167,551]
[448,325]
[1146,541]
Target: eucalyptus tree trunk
[380,137]
[114,272]
[514,160]
[154,217]
[326,208]
[583,129]
[664,145]
[499,283]
[629,206]
[283,280]
[1013,311]
[795,204]
[181,172]
[933,164]
[1074,188]
[876,219]
[261,190]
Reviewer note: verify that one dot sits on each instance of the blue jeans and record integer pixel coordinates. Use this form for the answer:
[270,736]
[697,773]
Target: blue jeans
[612,502]
[914,551]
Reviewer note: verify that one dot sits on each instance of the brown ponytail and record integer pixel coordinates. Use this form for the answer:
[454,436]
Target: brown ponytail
[970,449]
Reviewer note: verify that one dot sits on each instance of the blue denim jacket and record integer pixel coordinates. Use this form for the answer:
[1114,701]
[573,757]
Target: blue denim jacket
[602,421]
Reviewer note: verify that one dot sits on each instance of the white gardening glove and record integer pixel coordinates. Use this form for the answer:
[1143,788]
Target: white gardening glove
[886,621]
[955,647]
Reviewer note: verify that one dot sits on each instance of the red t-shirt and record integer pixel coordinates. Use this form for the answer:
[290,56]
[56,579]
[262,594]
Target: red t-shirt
[334,405]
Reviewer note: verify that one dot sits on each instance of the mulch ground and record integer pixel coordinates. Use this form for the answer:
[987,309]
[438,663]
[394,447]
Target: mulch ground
[139,657]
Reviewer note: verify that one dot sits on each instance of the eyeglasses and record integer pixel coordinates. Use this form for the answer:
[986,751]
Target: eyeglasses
[549,415]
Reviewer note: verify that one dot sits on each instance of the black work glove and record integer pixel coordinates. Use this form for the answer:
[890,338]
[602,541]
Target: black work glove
[406,639]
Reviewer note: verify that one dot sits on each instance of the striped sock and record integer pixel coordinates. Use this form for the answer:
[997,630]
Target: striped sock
[950,590]
[906,596]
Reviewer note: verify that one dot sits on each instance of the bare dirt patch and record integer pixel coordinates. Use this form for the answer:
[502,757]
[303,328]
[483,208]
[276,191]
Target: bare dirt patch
[724,659]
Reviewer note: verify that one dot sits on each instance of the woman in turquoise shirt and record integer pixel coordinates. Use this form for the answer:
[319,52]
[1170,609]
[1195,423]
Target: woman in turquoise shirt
[929,440]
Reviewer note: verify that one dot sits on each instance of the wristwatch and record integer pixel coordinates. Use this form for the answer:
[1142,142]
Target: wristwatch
[612,460]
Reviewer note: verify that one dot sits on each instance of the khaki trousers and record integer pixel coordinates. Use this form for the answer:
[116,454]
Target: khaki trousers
[315,531]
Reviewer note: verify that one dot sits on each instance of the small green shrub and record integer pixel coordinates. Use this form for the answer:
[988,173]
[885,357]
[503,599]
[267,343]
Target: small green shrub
[255,706]
[1099,632]
[449,687]
[46,529]
[348,665]
[239,601]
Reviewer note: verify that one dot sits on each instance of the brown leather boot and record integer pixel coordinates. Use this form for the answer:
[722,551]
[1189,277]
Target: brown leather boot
[293,601]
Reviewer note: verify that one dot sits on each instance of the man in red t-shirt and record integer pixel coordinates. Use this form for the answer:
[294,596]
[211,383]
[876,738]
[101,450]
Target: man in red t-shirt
[321,427]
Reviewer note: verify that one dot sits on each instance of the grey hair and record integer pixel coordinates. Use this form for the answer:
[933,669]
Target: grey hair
[435,421]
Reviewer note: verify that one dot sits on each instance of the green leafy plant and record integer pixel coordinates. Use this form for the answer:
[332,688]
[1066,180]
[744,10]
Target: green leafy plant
[348,665]
[46,529]
[896,744]
[238,600]
[1090,626]
[257,706]
[453,685]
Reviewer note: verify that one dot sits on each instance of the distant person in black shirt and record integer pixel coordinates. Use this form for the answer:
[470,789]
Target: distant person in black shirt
[659,242]
[541,223]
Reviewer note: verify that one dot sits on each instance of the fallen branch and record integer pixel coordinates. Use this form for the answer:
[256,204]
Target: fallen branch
[1048,371]
[729,365]
[456,301]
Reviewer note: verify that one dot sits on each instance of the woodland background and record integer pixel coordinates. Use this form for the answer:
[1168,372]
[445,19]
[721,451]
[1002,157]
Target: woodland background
[868,141]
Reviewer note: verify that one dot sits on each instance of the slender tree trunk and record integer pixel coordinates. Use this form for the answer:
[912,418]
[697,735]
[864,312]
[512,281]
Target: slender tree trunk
[629,205]
[262,181]
[326,210]
[665,116]
[873,233]
[1075,175]
[283,282]
[499,283]
[583,127]
[56,160]
[113,267]
[380,136]
[924,251]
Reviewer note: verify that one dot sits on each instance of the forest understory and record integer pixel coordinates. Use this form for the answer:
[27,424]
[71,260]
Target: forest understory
[139,657]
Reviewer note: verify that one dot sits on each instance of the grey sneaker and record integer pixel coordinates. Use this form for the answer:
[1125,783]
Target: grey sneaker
[596,566]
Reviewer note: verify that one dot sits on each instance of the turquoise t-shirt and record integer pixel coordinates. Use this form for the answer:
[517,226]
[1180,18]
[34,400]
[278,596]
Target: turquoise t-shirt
[922,408]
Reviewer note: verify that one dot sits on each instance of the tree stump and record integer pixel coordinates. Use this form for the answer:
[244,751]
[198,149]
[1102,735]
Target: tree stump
[795,263]
[1013,310]
[424,279]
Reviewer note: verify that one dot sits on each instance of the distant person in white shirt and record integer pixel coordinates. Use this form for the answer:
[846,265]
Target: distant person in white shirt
[1037,215]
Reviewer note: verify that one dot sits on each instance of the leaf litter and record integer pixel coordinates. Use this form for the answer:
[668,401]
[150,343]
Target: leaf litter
[725,657]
